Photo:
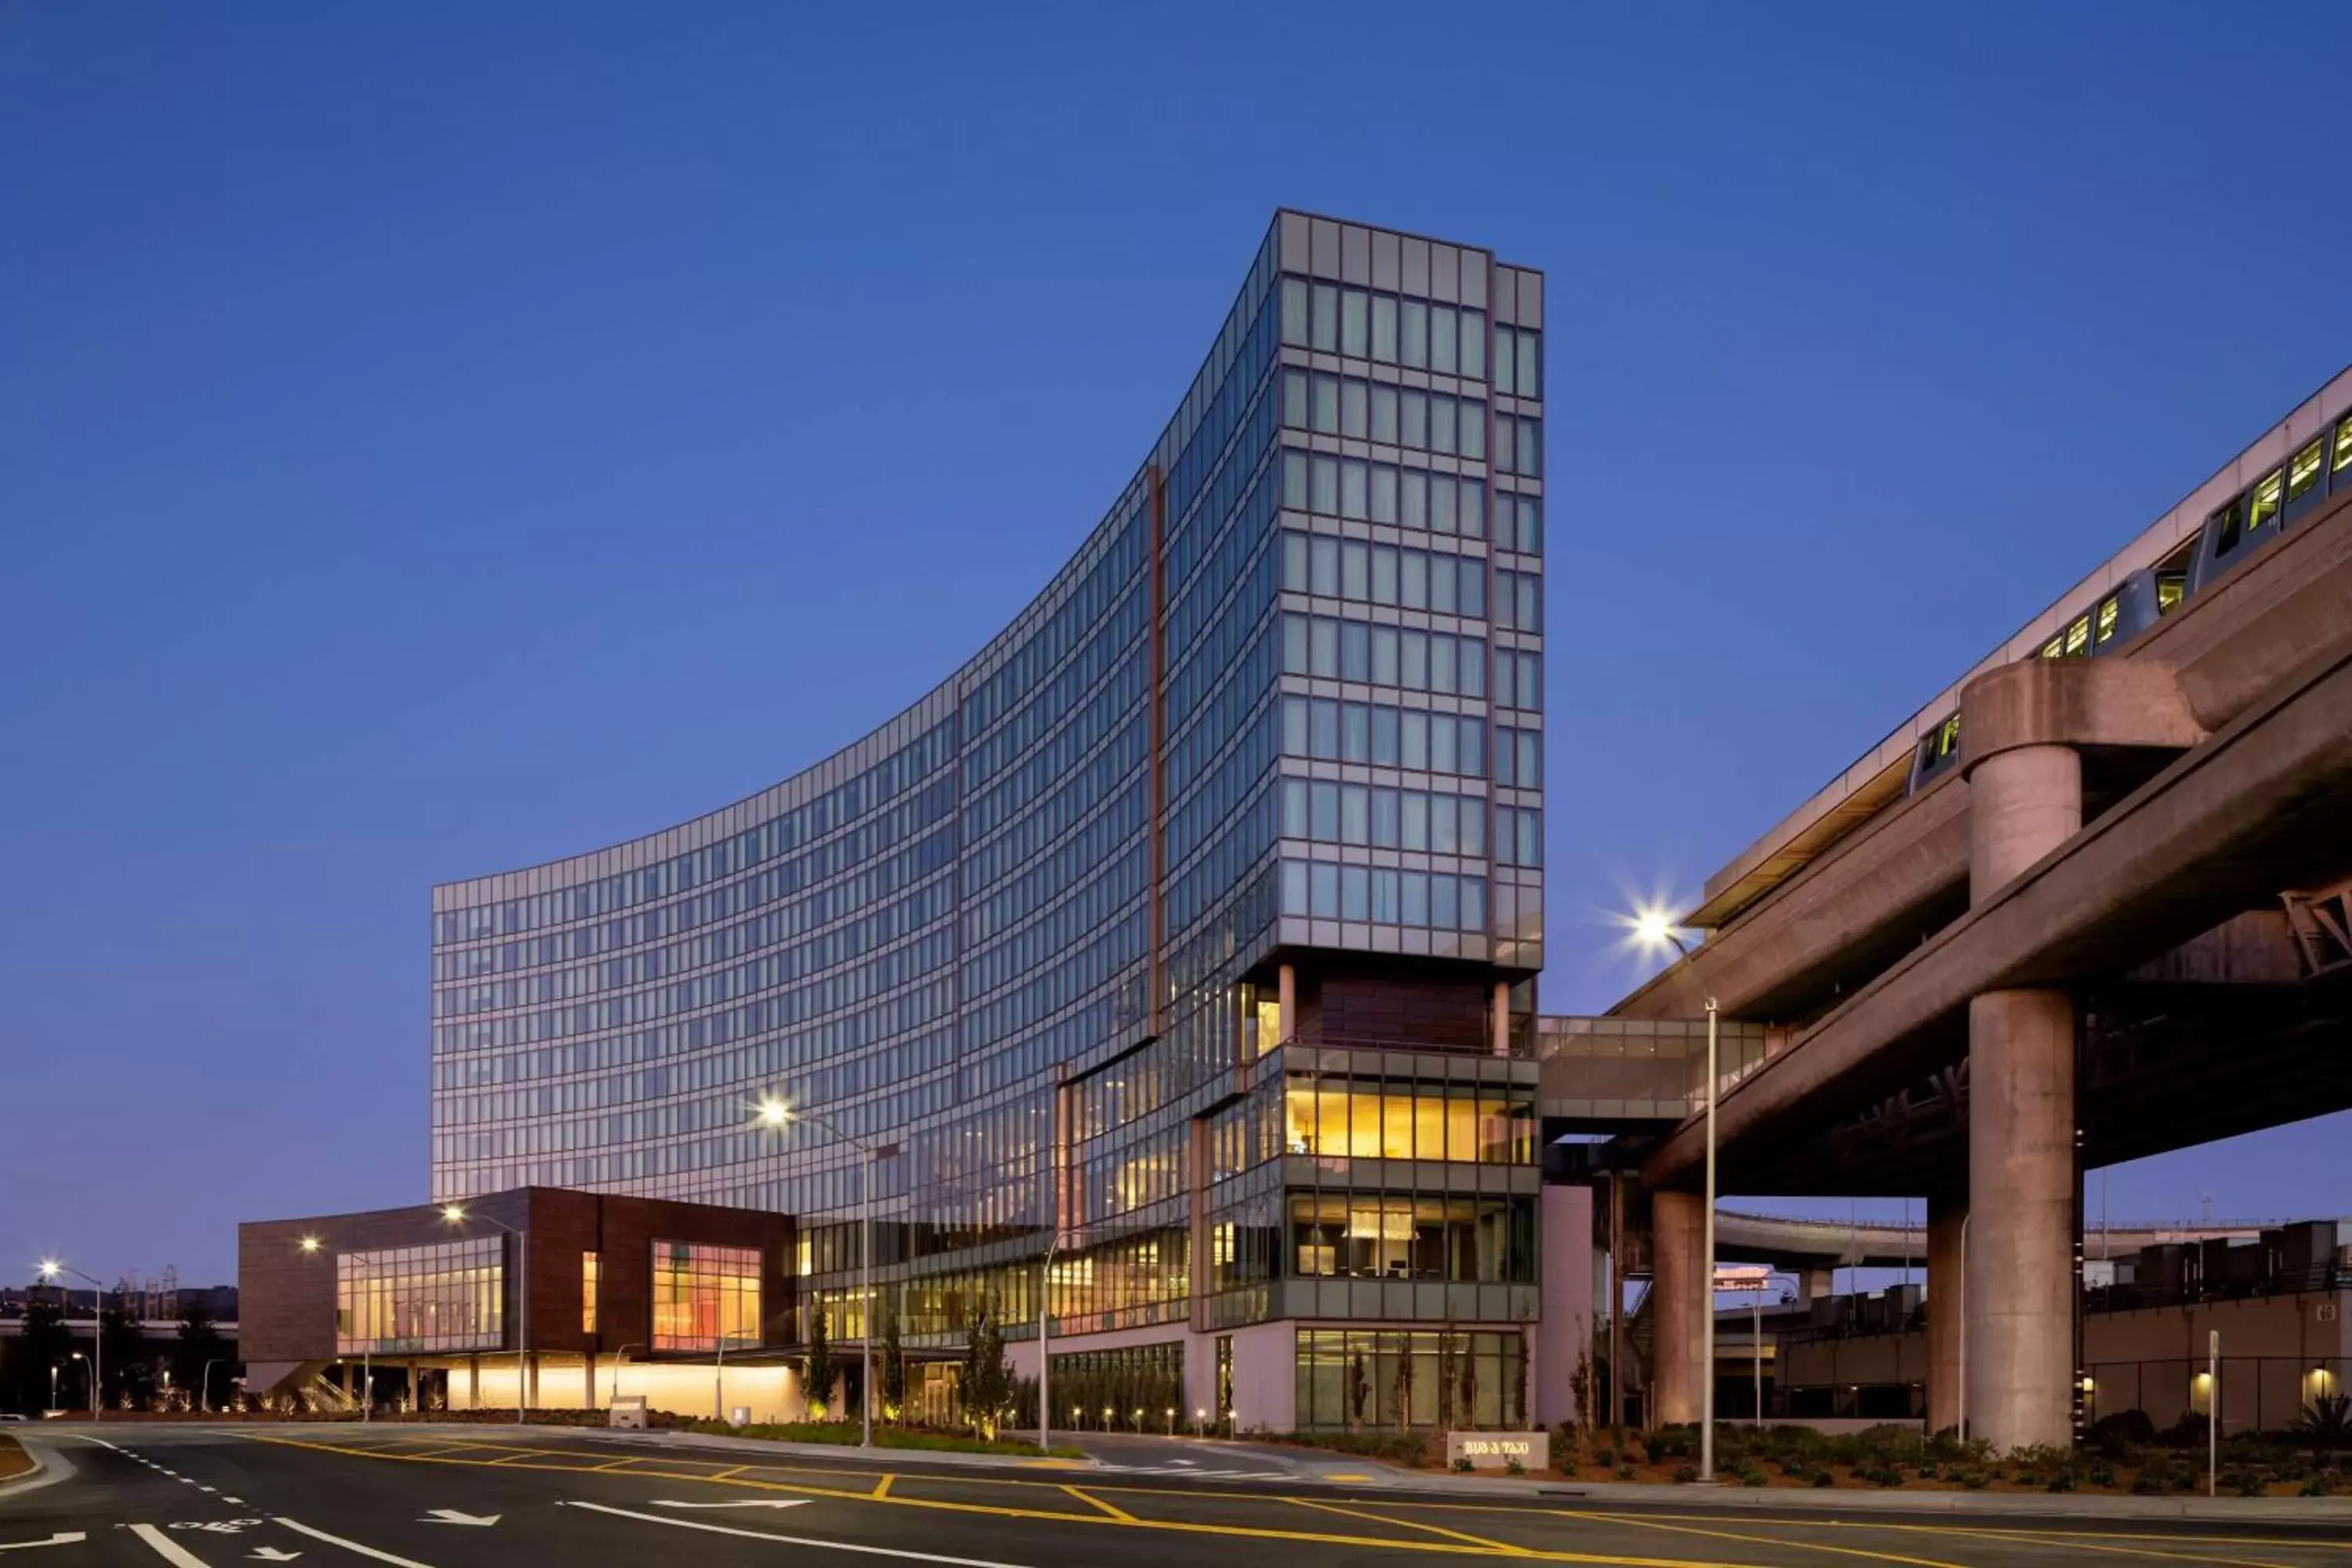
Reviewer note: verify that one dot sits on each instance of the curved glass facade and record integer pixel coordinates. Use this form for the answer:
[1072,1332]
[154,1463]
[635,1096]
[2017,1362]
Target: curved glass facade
[1280,715]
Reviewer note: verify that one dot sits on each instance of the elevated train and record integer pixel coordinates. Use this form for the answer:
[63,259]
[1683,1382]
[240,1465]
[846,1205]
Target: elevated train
[2233,534]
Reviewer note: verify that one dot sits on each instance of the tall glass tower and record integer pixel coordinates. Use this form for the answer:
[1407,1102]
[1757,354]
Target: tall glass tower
[1194,922]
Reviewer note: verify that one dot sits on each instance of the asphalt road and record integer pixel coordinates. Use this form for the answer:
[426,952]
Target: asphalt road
[207,1497]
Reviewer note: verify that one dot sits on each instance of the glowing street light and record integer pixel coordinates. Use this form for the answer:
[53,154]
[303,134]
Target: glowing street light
[1653,929]
[50,1270]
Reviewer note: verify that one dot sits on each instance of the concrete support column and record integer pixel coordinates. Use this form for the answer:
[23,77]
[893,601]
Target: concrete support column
[2020,1285]
[1821,1283]
[1563,1339]
[1286,994]
[589,1361]
[1502,1018]
[1683,1307]
[473,1383]
[2022,803]
[1947,1218]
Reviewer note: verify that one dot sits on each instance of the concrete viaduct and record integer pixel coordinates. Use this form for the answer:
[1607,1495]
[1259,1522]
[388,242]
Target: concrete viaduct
[2118,926]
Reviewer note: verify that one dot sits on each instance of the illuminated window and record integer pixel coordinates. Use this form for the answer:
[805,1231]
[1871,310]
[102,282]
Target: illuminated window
[2054,648]
[2171,587]
[449,1295]
[2303,471]
[705,1294]
[2078,635]
[590,1268]
[2264,502]
[2343,449]
[2110,614]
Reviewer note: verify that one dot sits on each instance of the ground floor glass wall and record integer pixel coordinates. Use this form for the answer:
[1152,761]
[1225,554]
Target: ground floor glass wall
[1372,1379]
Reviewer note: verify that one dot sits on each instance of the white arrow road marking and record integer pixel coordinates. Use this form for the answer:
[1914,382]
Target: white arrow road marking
[792,1539]
[169,1550]
[300,1528]
[451,1516]
[62,1538]
[778,1503]
[271,1554]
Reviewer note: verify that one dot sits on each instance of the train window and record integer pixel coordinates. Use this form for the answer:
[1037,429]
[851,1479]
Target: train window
[2078,635]
[2343,453]
[2110,613]
[2263,499]
[2054,648]
[2227,524]
[2171,587]
[1947,740]
[2303,470]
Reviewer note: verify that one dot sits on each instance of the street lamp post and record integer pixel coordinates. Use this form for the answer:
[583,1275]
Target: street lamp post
[205,1392]
[776,1113]
[50,1270]
[367,1363]
[456,1214]
[1653,929]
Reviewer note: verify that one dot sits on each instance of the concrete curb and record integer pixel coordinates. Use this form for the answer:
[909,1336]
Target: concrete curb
[49,1467]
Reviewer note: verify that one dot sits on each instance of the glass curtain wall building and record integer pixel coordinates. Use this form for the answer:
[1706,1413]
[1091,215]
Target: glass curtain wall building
[1194,920]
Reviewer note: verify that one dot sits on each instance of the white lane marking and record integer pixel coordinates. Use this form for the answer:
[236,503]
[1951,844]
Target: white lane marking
[756,1502]
[793,1540]
[169,1550]
[62,1538]
[238,1501]
[300,1528]
[272,1555]
[209,1488]
[451,1516]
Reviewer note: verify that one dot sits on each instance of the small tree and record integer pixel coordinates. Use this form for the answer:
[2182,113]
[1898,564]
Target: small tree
[819,1368]
[985,1389]
[1445,1375]
[1360,1392]
[894,1371]
[44,1342]
[1404,1390]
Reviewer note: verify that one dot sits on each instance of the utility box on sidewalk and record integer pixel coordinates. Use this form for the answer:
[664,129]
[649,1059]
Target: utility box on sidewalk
[1500,1451]
[628,1413]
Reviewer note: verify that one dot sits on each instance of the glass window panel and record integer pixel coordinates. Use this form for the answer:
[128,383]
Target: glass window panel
[1531,448]
[1323,814]
[1385,718]
[1473,667]
[1384,897]
[1294,632]
[1445,903]
[1294,726]
[1384,655]
[1443,734]
[1474,429]
[1355,893]
[1355,323]
[2304,470]
[1530,531]
[1415,348]
[1293,480]
[1294,399]
[1324,415]
[1323,891]
[1414,734]
[1323,648]
[1474,903]
[704,1295]
[1323,575]
[1505,365]
[1473,344]
[1444,328]
[1442,838]
[1472,760]
[1293,808]
[1413,673]
[1294,310]
[1355,569]
[1529,744]
[1355,816]
[1293,562]
[1416,580]
[1327,317]
[1441,515]
[1384,493]
[1474,825]
[1355,490]
[1504,428]
[1441,425]
[2265,502]
[1473,508]
[1530,355]
[1413,906]
[1442,579]
[1355,412]
[1473,594]
[1413,497]
[1384,570]
[1441,666]
[1355,651]
[1385,328]
[1415,432]
[1355,732]
[1384,820]
[1384,415]
[1324,725]
[1326,497]
[1416,822]
[1294,886]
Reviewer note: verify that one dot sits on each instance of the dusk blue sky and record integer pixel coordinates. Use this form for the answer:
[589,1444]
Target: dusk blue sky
[438,438]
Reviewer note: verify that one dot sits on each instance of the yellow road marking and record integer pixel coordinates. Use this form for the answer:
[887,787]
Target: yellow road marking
[881,1488]
[1503,1547]
[1253,1532]
[730,1470]
[2027,1538]
[1763,1540]
[1119,1513]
